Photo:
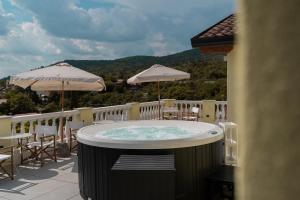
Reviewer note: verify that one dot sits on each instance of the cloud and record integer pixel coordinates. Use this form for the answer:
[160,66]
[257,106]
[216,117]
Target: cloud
[35,32]
[66,19]
[6,20]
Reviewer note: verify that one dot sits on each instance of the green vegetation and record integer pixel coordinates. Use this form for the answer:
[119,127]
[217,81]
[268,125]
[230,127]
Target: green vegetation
[208,81]
[19,102]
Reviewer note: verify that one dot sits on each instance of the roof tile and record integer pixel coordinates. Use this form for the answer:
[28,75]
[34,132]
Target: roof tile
[223,31]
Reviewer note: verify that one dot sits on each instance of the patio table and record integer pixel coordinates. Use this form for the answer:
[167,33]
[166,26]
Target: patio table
[19,137]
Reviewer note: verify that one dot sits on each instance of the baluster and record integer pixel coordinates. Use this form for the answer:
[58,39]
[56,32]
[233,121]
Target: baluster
[97,116]
[46,122]
[53,122]
[115,114]
[106,115]
[221,112]
[100,114]
[143,114]
[151,115]
[226,109]
[120,115]
[121,111]
[110,115]
[13,131]
[22,128]
[217,112]
[147,114]
[125,114]
[31,127]
[152,112]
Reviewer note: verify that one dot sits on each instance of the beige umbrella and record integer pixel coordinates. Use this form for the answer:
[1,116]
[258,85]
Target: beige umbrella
[59,77]
[158,73]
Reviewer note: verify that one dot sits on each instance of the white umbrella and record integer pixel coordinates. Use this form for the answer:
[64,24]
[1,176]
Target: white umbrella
[60,77]
[158,73]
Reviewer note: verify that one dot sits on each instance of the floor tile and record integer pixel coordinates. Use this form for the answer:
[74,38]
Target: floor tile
[57,181]
[66,191]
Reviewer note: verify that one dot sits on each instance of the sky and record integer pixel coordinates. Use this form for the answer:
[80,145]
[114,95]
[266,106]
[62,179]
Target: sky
[37,33]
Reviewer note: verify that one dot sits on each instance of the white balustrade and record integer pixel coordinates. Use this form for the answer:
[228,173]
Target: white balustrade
[231,143]
[26,123]
[150,110]
[221,111]
[185,106]
[115,113]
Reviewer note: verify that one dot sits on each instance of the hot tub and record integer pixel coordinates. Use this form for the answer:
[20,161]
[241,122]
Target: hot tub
[196,145]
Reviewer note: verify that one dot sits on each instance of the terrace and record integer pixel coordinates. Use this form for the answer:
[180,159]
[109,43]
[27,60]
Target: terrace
[61,179]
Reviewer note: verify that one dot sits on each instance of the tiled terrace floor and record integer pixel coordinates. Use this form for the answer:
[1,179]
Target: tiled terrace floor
[54,181]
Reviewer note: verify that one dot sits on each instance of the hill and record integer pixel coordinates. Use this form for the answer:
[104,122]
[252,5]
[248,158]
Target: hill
[136,62]
[129,65]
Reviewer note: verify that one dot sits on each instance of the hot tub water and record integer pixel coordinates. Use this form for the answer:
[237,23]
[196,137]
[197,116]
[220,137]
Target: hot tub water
[146,133]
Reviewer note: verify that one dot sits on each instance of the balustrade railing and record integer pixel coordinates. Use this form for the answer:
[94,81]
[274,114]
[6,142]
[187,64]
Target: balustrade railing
[221,111]
[185,106]
[26,123]
[148,111]
[116,113]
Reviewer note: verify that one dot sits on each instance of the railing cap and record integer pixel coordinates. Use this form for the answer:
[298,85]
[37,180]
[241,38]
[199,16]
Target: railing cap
[5,117]
[84,108]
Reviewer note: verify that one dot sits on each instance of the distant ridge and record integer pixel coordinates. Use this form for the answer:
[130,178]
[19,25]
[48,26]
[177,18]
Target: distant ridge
[139,62]
[134,63]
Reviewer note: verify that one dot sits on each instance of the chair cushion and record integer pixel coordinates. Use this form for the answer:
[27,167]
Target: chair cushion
[4,157]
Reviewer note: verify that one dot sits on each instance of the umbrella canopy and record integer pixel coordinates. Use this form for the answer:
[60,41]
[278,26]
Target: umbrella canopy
[158,73]
[60,77]
[51,78]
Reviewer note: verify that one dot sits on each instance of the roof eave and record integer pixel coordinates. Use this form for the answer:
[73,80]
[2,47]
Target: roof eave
[212,41]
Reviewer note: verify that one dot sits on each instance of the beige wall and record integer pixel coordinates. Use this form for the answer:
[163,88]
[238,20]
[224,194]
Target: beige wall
[5,129]
[268,101]
[231,85]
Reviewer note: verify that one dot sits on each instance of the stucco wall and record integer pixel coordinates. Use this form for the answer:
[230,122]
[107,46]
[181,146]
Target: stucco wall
[268,101]
[231,85]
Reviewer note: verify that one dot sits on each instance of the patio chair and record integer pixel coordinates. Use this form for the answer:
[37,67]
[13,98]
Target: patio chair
[73,127]
[170,113]
[193,115]
[44,140]
[7,155]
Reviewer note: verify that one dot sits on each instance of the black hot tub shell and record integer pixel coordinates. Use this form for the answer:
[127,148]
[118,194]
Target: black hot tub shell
[192,163]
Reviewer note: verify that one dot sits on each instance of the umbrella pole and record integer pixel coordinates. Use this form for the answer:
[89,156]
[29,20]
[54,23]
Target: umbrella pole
[62,99]
[158,93]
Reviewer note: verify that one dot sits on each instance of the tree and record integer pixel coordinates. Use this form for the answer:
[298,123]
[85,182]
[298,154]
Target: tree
[19,103]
